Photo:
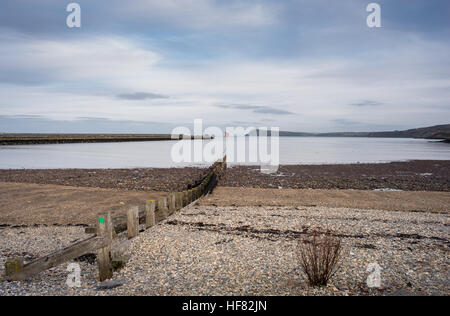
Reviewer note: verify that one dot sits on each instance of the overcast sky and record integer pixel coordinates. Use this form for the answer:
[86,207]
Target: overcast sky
[150,65]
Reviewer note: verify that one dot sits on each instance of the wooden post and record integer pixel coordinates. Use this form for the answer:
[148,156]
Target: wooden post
[185,198]
[174,202]
[13,266]
[203,186]
[133,222]
[179,201]
[150,214]
[104,230]
[197,192]
[162,206]
[171,200]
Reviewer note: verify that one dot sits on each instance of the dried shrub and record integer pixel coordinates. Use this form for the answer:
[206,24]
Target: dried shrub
[319,256]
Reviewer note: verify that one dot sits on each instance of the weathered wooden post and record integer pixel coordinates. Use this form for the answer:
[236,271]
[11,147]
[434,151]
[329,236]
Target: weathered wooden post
[185,198]
[197,192]
[162,206]
[150,214]
[174,202]
[171,200]
[104,230]
[194,194]
[133,222]
[181,199]
[203,185]
[178,201]
[13,266]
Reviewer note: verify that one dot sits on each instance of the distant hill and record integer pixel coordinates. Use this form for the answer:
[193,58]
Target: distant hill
[432,132]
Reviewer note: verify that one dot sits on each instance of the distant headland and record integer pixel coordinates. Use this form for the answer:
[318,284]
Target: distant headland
[441,132]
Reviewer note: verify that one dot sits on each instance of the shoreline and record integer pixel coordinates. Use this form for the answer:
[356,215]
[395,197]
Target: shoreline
[414,175]
[242,239]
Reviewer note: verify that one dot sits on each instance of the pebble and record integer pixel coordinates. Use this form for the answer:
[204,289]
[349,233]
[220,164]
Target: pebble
[207,250]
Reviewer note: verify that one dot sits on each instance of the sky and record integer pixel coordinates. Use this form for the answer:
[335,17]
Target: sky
[147,66]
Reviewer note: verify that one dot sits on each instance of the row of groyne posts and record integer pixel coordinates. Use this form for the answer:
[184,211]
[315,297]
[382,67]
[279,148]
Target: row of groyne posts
[110,237]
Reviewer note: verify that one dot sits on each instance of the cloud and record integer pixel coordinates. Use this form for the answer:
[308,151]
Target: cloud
[301,62]
[204,13]
[367,103]
[347,122]
[255,109]
[26,60]
[141,96]
[104,16]
[269,110]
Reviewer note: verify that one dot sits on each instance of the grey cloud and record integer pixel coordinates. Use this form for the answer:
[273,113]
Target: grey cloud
[268,110]
[367,103]
[21,116]
[139,96]
[243,123]
[255,109]
[346,122]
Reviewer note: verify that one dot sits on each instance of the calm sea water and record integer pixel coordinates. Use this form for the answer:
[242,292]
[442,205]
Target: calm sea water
[293,150]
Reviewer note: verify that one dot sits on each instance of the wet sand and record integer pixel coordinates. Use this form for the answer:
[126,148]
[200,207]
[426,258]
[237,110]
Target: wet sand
[406,201]
[45,204]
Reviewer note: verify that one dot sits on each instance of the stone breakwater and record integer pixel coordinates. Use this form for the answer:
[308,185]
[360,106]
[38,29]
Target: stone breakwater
[34,139]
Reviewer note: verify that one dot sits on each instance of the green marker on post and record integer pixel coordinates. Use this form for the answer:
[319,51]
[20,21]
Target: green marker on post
[101,220]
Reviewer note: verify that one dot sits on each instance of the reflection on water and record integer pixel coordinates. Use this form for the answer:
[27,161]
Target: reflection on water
[293,150]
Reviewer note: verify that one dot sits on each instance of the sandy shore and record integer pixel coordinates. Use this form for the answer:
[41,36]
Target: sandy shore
[23,204]
[204,250]
[409,201]
[46,204]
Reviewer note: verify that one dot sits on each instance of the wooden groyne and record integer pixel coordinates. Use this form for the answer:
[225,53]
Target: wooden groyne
[110,237]
[35,139]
